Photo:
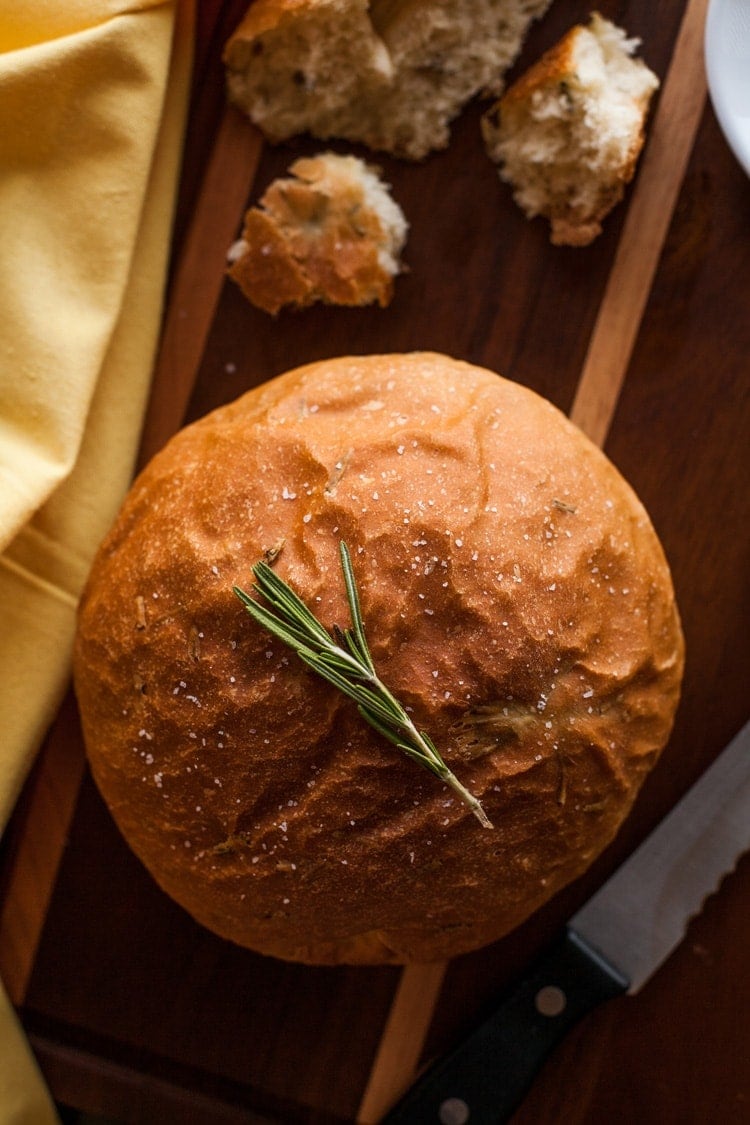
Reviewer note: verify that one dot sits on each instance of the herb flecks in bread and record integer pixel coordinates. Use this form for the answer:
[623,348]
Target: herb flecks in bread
[568,133]
[391,74]
[518,604]
[330,232]
[346,663]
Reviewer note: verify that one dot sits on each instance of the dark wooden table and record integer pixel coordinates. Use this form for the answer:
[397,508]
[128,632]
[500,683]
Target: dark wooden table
[136,1012]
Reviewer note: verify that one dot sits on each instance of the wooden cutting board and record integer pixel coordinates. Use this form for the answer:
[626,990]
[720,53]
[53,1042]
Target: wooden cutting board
[644,337]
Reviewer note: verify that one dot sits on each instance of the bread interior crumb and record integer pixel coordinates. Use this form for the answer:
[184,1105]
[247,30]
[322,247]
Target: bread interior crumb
[568,135]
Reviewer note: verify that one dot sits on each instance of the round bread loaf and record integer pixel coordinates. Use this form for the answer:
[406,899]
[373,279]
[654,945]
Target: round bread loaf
[516,600]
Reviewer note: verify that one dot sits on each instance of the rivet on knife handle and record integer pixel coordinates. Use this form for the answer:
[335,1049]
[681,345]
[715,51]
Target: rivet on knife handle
[485,1079]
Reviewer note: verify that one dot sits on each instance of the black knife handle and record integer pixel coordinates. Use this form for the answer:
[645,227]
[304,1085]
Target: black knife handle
[483,1081]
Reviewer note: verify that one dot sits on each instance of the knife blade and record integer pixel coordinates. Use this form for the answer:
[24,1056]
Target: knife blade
[611,946]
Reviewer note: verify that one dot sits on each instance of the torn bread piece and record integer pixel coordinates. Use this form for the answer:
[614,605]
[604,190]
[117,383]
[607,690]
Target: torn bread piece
[297,66]
[567,134]
[331,232]
[390,74]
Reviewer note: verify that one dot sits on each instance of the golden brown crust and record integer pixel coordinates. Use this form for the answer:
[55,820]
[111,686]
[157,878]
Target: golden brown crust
[266,272]
[555,64]
[314,237]
[515,595]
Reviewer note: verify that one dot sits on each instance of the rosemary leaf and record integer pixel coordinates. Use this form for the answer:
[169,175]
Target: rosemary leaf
[345,661]
[283,597]
[428,763]
[355,691]
[284,631]
[342,661]
[417,755]
[352,595]
[349,639]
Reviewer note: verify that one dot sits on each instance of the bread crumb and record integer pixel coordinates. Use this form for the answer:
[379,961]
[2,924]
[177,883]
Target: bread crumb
[568,133]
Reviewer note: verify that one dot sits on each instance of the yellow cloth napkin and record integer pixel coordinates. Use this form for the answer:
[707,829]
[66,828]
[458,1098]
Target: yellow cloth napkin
[93,98]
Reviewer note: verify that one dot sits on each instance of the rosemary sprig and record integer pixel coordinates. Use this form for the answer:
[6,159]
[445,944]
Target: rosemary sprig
[344,660]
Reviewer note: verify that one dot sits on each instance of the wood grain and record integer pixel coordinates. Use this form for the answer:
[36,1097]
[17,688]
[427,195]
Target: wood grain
[402,1041]
[133,1008]
[615,331]
[48,807]
[199,278]
[649,215]
[74,1070]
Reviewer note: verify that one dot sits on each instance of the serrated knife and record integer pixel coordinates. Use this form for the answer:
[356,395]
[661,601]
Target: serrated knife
[615,942]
